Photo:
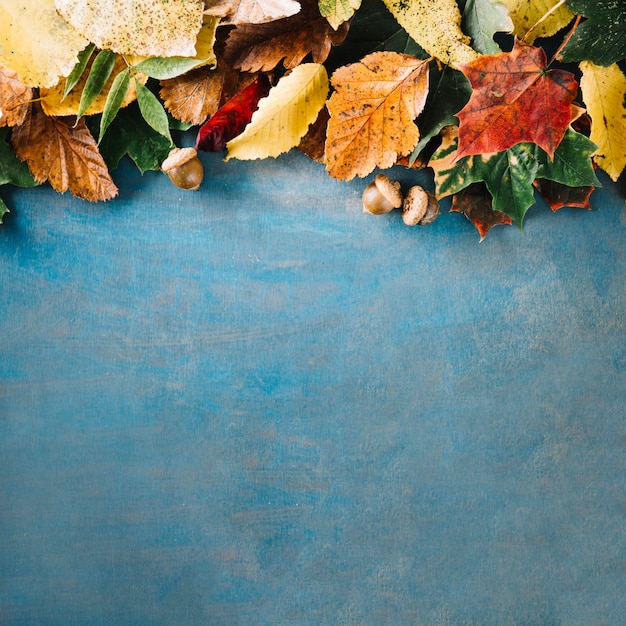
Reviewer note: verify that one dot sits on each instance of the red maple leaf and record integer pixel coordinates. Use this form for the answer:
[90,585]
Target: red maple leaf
[515,98]
[475,203]
[558,196]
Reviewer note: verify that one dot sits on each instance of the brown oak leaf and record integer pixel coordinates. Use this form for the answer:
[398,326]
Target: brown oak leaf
[15,98]
[475,203]
[64,154]
[261,47]
[372,112]
[558,195]
[515,99]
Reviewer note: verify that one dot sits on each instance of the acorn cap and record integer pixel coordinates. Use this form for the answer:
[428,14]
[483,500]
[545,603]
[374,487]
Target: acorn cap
[177,157]
[390,189]
[414,206]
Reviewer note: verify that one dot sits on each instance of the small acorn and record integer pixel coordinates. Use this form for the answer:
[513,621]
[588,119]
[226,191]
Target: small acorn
[382,195]
[184,168]
[419,207]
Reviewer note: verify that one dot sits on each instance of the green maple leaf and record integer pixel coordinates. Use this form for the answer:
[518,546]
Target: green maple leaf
[509,174]
[482,19]
[12,170]
[601,38]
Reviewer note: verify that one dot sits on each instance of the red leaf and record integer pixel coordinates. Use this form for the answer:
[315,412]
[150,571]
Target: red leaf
[475,203]
[515,99]
[558,196]
[230,120]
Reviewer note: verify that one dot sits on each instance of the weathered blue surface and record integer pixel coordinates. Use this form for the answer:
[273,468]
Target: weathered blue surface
[256,405]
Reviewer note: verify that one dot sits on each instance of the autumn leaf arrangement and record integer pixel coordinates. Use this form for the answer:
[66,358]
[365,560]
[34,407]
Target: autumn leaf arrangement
[501,99]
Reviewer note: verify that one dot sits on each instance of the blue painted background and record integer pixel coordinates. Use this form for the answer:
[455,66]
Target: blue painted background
[254,404]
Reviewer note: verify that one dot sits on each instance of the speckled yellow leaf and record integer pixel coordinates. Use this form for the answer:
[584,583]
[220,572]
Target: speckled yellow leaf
[53,103]
[436,26]
[338,11]
[284,117]
[604,92]
[143,27]
[36,43]
[526,13]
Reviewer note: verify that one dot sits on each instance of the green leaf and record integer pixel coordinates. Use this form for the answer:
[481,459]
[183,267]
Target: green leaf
[4,209]
[99,73]
[601,38]
[114,100]
[163,68]
[373,29]
[79,68]
[508,175]
[572,164]
[481,20]
[448,93]
[130,135]
[152,111]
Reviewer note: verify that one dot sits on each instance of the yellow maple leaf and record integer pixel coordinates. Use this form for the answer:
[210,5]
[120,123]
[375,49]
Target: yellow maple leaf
[157,28]
[53,102]
[604,93]
[372,112]
[284,117]
[436,27]
[36,43]
[338,11]
[543,15]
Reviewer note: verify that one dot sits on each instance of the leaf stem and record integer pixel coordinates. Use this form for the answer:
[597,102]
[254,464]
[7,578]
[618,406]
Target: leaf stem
[564,42]
[557,6]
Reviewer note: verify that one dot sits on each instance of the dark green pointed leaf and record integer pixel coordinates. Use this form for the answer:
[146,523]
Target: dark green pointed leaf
[130,135]
[114,100]
[482,19]
[601,38]
[152,111]
[99,73]
[79,68]
[448,93]
[572,164]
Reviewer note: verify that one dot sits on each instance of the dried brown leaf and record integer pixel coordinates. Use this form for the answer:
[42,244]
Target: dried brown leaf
[312,143]
[63,154]
[262,47]
[15,98]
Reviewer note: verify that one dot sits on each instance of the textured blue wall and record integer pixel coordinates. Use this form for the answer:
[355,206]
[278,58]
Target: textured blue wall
[254,404]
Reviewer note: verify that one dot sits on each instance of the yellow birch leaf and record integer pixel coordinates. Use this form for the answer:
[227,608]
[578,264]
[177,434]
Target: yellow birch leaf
[528,13]
[157,28]
[604,93]
[338,11]
[436,26]
[284,117]
[53,102]
[36,43]
[372,112]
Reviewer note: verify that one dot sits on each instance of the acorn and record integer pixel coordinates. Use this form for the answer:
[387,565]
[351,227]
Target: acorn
[419,207]
[184,168]
[382,195]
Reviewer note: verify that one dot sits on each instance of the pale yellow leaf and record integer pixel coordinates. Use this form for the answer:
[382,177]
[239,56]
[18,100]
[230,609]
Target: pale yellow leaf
[284,117]
[53,102]
[251,11]
[142,27]
[436,26]
[604,90]
[36,43]
[528,13]
[338,11]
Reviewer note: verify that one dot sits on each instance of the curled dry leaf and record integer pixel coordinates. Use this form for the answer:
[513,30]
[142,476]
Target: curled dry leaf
[254,48]
[372,113]
[15,99]
[251,11]
[63,154]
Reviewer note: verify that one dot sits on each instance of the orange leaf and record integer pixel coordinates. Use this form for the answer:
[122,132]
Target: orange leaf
[64,155]
[261,47]
[515,99]
[372,112]
[14,98]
